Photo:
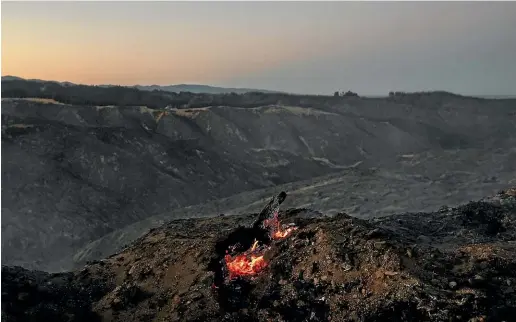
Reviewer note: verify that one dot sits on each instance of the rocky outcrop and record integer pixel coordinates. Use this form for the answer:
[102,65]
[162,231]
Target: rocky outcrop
[455,264]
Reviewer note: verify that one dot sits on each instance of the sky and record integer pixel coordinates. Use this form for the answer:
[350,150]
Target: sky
[300,47]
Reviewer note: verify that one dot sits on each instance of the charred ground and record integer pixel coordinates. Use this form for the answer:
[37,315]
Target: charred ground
[454,264]
[82,176]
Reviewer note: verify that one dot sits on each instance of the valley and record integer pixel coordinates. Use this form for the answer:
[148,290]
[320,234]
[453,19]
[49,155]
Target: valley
[80,181]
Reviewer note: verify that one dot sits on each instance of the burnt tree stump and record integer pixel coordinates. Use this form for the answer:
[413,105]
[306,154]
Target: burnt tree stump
[268,218]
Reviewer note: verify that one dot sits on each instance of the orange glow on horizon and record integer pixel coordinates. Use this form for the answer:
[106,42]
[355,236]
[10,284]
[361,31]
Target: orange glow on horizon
[97,56]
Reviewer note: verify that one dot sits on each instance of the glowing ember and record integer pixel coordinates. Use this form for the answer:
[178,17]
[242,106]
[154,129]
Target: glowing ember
[254,245]
[279,234]
[245,264]
[252,261]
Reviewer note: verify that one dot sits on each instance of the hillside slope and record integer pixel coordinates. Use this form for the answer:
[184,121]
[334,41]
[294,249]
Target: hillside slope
[419,186]
[456,264]
[73,174]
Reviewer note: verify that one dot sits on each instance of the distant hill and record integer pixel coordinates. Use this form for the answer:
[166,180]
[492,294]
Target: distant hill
[16,78]
[11,78]
[192,88]
[103,95]
[497,96]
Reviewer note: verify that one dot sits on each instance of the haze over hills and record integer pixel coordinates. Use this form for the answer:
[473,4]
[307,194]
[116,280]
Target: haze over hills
[193,88]
[82,178]
[207,89]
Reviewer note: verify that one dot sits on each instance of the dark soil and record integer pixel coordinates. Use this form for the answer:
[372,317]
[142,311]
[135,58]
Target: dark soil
[451,265]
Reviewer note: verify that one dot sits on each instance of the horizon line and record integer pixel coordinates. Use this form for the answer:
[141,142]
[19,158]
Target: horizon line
[264,89]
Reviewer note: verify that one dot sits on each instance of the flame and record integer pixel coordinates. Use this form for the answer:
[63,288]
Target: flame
[242,265]
[252,261]
[254,245]
[248,263]
[279,234]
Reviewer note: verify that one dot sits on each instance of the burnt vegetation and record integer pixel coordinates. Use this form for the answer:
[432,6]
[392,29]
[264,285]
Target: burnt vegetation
[456,264]
[79,172]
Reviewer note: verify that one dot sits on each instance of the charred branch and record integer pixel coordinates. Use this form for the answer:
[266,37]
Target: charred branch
[269,214]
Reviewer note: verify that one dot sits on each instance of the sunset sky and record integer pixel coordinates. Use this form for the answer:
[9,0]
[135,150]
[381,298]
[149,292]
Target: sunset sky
[302,47]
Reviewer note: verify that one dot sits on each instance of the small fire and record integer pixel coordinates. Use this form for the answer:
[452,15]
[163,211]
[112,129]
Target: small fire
[279,234]
[248,263]
[255,244]
[252,261]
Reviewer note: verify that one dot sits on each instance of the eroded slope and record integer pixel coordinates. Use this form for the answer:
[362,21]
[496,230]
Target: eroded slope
[73,174]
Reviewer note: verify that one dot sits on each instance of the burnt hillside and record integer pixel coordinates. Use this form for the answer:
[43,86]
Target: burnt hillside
[456,264]
[75,173]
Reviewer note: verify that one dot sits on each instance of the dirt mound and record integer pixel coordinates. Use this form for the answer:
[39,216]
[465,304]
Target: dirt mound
[454,264]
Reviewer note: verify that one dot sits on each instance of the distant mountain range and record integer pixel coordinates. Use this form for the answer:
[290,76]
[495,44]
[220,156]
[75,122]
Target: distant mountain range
[207,89]
[193,88]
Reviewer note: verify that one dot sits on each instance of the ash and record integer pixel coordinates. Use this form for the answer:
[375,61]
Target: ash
[455,264]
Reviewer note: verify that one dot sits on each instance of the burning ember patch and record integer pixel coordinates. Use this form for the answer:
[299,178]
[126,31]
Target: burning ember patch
[276,231]
[246,264]
[252,261]
[283,233]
